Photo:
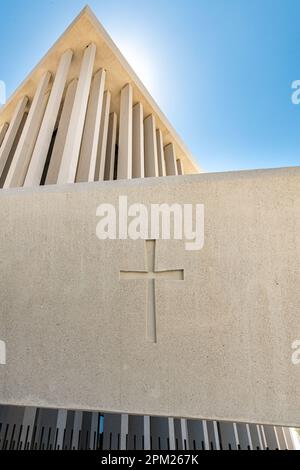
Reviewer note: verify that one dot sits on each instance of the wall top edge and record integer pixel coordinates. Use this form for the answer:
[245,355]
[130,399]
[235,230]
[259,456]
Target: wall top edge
[234,176]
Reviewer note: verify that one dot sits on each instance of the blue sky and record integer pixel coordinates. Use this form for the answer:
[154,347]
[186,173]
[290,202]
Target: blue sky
[221,70]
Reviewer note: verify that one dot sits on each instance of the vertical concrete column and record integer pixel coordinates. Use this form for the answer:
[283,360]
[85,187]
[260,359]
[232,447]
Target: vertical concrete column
[180,170]
[260,441]
[216,435]
[3,129]
[110,158]
[281,439]
[39,156]
[12,131]
[206,435]
[170,159]
[255,437]
[21,160]
[147,433]
[124,432]
[151,160]
[160,153]
[61,136]
[288,438]
[245,440]
[69,162]
[101,156]
[61,426]
[236,435]
[125,134]
[13,150]
[270,437]
[249,436]
[277,439]
[90,139]
[263,436]
[172,440]
[138,158]
[185,434]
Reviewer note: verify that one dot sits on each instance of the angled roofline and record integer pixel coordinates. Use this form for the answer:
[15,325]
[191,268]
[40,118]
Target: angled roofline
[88,13]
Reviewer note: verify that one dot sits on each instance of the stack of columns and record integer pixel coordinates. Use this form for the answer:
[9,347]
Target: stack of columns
[68,134]
[31,428]
[141,149]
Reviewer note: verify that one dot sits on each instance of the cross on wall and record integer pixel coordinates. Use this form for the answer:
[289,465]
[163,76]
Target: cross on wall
[152,275]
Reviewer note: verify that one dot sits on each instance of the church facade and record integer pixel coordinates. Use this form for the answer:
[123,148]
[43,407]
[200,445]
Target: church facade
[129,357]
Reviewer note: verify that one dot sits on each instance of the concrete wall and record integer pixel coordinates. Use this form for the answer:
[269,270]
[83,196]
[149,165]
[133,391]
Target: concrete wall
[76,335]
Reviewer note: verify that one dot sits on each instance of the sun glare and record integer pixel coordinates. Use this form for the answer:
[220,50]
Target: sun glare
[142,64]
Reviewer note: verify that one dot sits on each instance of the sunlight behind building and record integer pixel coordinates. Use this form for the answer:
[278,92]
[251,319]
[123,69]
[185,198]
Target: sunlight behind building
[142,63]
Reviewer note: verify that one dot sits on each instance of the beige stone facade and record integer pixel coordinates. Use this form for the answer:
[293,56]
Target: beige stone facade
[174,348]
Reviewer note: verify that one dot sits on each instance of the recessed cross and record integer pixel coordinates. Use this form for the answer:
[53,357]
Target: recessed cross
[152,275]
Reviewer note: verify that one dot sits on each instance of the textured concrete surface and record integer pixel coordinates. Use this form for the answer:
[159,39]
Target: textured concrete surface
[76,335]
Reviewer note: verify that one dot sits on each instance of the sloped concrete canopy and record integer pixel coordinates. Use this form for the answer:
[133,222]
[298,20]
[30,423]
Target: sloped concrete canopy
[85,30]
